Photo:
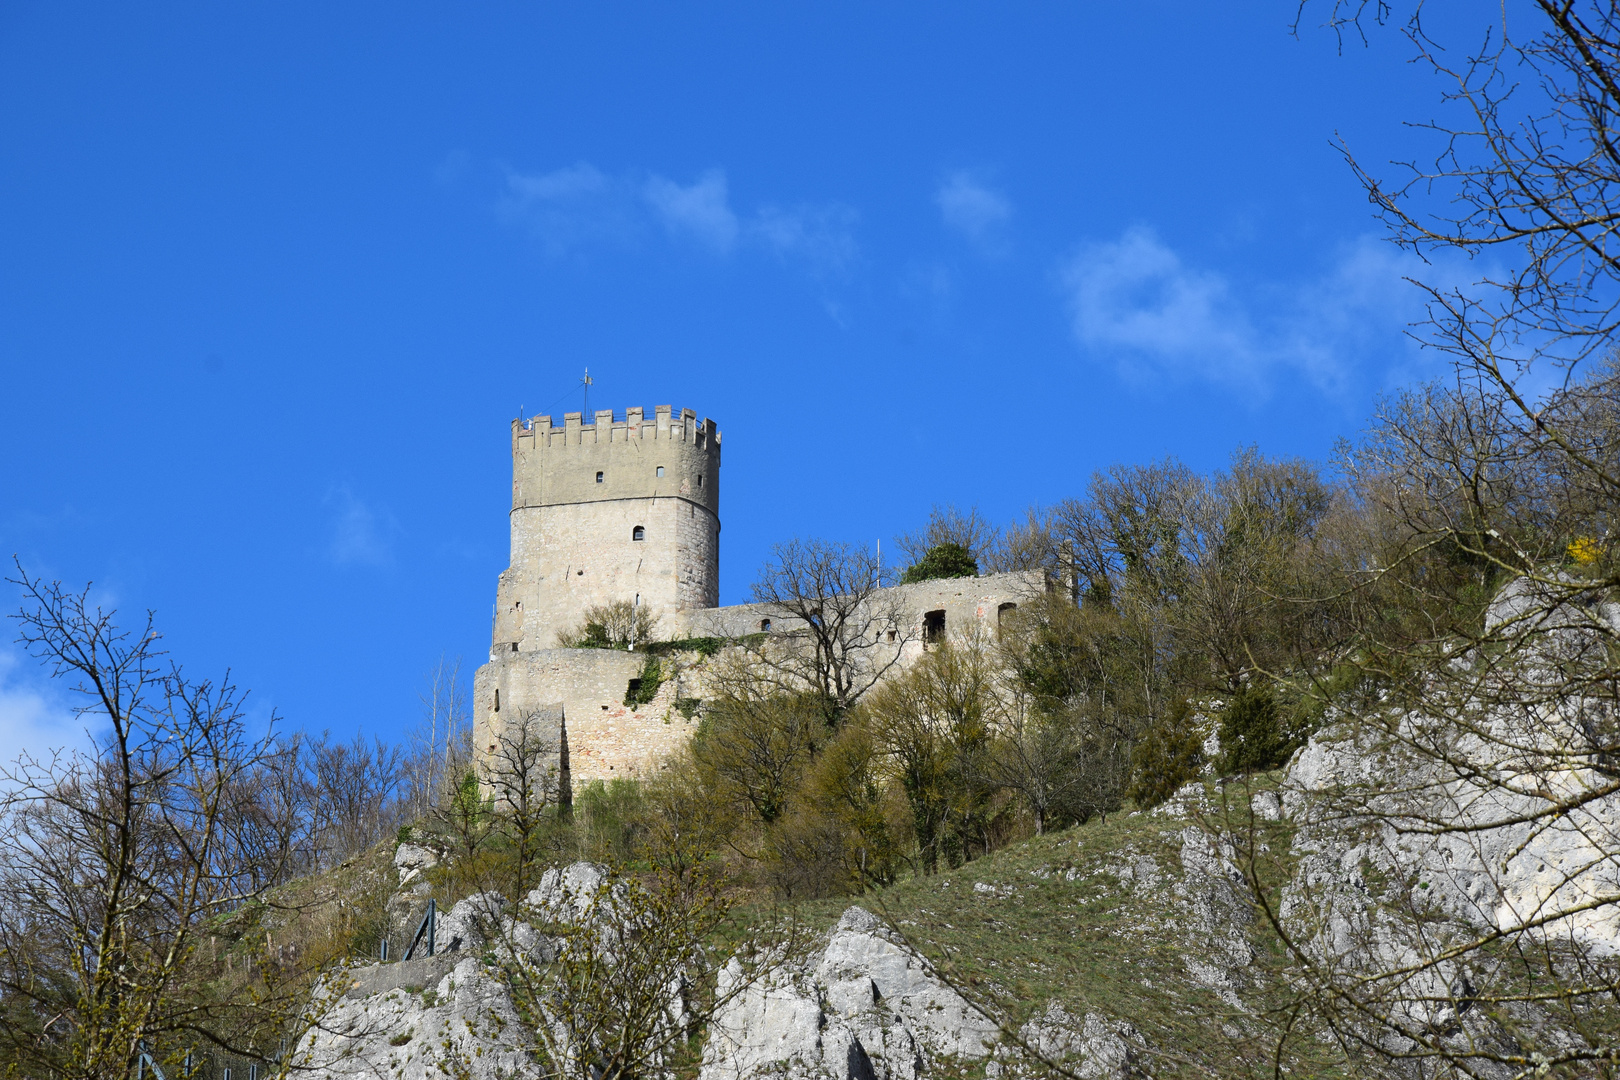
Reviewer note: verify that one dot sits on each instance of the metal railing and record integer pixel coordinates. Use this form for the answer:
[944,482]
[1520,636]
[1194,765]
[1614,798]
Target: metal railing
[422,941]
[210,1064]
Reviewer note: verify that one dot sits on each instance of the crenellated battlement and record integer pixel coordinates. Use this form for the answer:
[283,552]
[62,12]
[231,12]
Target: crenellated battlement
[625,509]
[665,424]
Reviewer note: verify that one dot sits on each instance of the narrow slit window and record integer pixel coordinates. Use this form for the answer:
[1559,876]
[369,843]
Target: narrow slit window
[599,478]
[638,533]
[497,701]
[660,470]
[700,483]
[514,646]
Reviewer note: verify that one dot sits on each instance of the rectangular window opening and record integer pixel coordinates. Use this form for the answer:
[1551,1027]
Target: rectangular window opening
[934,626]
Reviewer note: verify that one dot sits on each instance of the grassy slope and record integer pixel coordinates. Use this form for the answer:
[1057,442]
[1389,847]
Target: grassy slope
[1099,917]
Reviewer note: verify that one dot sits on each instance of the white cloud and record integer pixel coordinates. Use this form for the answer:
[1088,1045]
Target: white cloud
[973,209]
[1136,301]
[570,207]
[824,236]
[581,205]
[361,534]
[577,181]
[699,210]
[34,717]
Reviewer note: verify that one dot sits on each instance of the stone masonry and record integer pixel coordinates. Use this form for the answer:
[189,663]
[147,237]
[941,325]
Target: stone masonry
[628,509]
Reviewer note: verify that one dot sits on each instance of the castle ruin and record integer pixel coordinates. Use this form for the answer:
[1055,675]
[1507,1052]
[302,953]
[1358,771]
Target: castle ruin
[628,509]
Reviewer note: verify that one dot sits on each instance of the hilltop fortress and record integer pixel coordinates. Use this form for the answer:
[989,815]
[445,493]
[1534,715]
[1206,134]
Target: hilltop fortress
[628,509]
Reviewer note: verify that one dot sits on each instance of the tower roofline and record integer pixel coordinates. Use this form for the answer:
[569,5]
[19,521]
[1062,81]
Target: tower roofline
[665,423]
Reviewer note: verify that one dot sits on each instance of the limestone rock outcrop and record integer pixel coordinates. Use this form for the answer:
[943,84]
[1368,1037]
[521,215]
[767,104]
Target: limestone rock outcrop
[423,1018]
[859,1006]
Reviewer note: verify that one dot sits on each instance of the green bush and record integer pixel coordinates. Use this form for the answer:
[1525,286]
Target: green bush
[947,560]
[645,687]
[707,646]
[1254,734]
[1170,754]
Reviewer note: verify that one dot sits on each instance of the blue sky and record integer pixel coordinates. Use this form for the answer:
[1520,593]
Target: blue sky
[274,279]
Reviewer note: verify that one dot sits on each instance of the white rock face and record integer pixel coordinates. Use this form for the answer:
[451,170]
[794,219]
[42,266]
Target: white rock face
[861,1008]
[429,1017]
[1092,1047]
[569,893]
[411,859]
[463,1024]
[1507,864]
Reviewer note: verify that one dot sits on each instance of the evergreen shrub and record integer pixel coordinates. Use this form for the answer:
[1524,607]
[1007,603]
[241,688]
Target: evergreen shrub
[947,560]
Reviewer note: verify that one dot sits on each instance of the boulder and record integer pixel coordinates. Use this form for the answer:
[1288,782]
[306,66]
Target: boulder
[411,860]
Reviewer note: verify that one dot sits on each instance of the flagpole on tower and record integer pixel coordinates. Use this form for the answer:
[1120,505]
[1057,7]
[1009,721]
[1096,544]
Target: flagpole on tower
[585,417]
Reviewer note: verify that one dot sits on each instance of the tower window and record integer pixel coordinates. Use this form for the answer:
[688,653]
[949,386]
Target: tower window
[934,626]
[598,478]
[700,483]
[660,470]
[497,701]
[765,625]
[514,646]
[1001,612]
[638,533]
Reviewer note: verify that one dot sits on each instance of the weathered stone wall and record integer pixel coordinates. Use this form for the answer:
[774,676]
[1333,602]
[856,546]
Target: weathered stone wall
[606,739]
[971,605]
[566,559]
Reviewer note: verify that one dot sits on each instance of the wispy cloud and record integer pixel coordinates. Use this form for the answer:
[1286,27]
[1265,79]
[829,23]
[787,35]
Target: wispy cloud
[35,718]
[974,210]
[1137,302]
[700,211]
[824,236]
[579,206]
[362,535]
[570,207]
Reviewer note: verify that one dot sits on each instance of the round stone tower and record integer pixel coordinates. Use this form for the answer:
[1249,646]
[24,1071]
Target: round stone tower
[613,510]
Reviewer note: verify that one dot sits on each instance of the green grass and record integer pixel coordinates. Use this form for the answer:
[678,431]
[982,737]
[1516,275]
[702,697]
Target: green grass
[1067,917]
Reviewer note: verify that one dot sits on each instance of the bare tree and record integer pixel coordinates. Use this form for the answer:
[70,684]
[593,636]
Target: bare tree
[1040,757]
[112,859]
[949,525]
[836,632]
[523,771]
[444,725]
[353,795]
[1242,533]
